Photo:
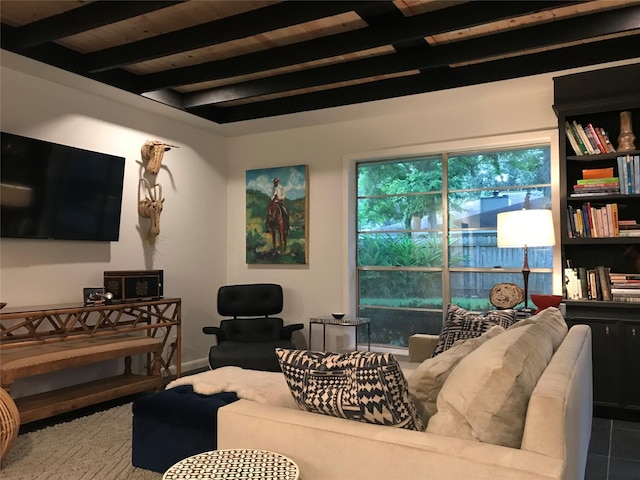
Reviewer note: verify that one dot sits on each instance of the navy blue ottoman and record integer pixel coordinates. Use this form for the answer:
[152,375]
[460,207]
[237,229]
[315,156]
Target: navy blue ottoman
[174,424]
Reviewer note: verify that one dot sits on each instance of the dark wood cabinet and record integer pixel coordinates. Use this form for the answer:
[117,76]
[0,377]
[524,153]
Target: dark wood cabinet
[598,97]
[630,336]
[616,356]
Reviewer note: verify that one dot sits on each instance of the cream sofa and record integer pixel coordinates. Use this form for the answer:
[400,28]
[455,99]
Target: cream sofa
[554,445]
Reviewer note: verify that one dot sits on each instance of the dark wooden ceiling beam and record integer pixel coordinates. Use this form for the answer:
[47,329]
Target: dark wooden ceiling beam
[537,36]
[410,28]
[81,19]
[66,59]
[243,25]
[570,57]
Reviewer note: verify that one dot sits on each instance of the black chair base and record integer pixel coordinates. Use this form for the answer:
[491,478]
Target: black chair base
[259,356]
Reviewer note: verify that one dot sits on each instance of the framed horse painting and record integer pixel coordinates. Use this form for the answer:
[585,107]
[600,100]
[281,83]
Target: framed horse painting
[277,221]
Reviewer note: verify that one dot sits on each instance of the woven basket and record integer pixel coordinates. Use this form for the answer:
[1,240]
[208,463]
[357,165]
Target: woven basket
[9,422]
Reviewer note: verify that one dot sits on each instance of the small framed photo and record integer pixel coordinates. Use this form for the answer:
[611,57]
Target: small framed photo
[93,296]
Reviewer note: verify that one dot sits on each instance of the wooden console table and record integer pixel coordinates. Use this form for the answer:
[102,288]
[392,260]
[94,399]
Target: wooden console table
[42,339]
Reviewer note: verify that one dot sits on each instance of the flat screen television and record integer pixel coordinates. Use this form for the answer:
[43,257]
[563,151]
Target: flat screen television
[55,191]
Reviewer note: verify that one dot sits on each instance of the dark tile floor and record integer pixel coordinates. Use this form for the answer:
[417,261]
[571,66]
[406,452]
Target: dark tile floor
[614,451]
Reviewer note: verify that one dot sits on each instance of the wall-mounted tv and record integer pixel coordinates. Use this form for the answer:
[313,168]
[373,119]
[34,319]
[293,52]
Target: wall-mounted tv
[55,191]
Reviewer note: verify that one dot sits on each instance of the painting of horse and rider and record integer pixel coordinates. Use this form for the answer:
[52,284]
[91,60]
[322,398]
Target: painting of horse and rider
[277,211]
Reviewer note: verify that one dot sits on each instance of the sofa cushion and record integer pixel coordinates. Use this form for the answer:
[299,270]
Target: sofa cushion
[364,386]
[427,380]
[485,397]
[461,324]
[552,316]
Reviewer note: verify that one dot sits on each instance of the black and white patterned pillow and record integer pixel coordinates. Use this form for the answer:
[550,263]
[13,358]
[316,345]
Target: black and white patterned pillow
[364,386]
[461,324]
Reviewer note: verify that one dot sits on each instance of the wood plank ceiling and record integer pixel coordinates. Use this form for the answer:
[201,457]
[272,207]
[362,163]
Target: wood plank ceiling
[228,61]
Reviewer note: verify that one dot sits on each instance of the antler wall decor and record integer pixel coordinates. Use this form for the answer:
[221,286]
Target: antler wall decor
[152,152]
[151,208]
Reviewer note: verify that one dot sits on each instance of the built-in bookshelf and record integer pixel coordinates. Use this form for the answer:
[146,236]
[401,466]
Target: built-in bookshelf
[600,232]
[599,192]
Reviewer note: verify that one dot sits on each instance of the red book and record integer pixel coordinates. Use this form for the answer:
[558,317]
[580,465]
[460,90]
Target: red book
[599,184]
[596,138]
[592,232]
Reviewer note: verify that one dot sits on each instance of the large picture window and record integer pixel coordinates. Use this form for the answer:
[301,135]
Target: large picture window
[426,235]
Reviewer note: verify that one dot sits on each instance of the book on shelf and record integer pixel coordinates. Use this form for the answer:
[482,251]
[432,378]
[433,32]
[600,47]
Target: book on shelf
[602,272]
[604,186]
[583,136]
[593,134]
[624,277]
[625,289]
[626,298]
[605,231]
[582,283]
[604,138]
[598,181]
[580,227]
[614,219]
[592,140]
[572,284]
[588,139]
[577,149]
[593,221]
[592,194]
[629,173]
[591,279]
[597,173]
[630,233]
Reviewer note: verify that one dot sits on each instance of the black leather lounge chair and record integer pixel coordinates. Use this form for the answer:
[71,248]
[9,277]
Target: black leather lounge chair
[249,339]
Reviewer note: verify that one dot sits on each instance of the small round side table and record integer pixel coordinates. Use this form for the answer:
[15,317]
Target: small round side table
[234,464]
[9,422]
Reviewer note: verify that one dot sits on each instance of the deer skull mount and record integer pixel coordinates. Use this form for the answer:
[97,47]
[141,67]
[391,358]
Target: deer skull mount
[152,152]
[151,208]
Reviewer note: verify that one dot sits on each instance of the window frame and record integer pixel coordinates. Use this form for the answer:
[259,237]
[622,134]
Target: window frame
[546,138]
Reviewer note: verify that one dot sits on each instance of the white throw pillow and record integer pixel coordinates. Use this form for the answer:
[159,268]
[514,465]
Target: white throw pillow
[554,320]
[427,380]
[485,397]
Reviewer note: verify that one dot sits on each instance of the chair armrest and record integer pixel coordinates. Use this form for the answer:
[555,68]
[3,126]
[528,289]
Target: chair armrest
[421,346]
[287,330]
[217,331]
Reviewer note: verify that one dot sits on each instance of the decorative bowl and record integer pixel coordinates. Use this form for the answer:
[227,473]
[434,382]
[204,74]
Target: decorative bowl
[545,301]
[337,316]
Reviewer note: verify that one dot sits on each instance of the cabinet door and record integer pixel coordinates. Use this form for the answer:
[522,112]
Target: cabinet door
[606,360]
[631,363]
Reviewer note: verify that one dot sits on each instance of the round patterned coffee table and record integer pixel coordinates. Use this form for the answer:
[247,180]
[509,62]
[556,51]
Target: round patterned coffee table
[234,464]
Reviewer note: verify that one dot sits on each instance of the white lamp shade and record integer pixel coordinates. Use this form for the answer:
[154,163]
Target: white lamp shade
[531,228]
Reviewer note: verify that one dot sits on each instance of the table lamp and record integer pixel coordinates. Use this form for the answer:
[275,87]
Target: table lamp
[522,229]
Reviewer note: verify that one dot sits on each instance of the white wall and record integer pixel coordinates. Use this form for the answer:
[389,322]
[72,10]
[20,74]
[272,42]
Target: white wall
[191,248]
[459,118]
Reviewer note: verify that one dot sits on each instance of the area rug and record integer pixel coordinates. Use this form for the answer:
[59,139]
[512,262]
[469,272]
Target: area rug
[95,447]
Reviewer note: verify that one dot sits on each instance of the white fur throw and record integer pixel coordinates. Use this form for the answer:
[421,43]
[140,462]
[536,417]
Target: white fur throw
[261,387]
